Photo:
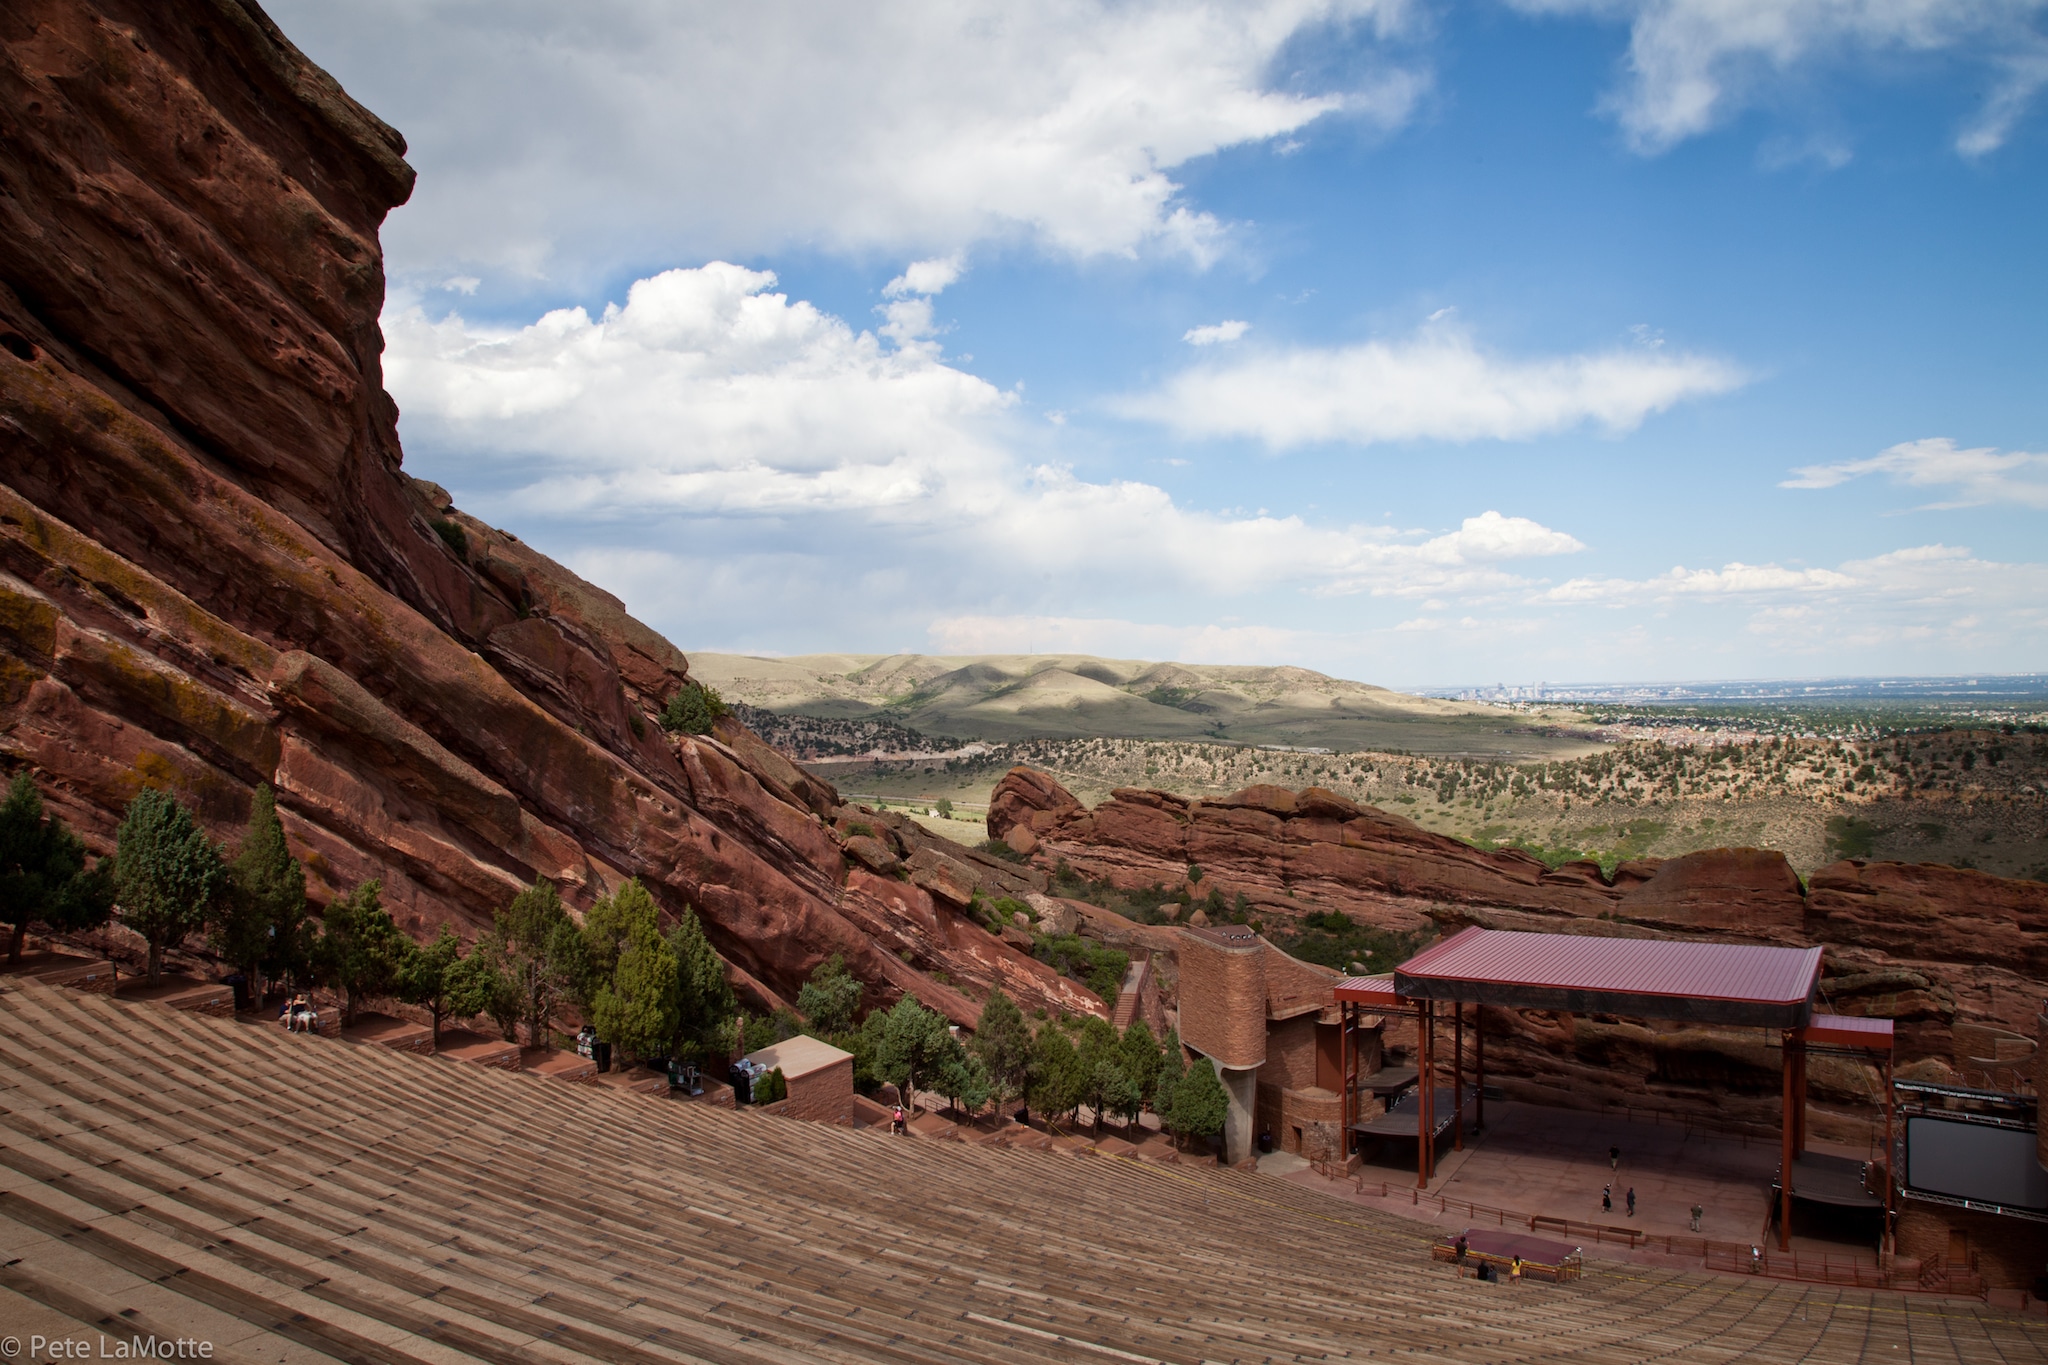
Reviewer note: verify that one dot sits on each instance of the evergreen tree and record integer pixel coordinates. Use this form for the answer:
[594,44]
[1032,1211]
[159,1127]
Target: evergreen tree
[635,1006]
[167,874]
[1139,1055]
[961,1078]
[693,710]
[1118,1093]
[431,977]
[705,1006]
[1173,1070]
[1200,1103]
[1100,1066]
[542,954]
[260,922]
[831,998]
[43,876]
[1057,1085]
[914,1042]
[477,984]
[1002,1043]
[361,951]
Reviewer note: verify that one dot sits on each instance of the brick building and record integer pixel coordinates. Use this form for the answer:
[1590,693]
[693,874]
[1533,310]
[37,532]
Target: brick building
[1269,1024]
[820,1078]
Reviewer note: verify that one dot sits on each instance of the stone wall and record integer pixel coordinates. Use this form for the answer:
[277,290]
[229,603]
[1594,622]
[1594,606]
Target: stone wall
[822,1096]
[1223,996]
[2009,1253]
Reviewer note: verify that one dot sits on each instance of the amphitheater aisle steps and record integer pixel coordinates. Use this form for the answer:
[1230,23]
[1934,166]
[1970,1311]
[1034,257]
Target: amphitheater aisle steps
[629,1221]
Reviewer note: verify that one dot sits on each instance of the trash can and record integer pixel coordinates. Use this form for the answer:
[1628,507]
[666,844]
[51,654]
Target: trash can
[601,1053]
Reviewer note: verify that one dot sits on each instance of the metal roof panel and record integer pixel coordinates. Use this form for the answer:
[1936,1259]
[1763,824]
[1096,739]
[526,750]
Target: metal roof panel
[1743,972]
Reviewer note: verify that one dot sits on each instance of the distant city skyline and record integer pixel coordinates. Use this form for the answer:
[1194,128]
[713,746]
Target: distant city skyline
[1562,339]
[2021,687]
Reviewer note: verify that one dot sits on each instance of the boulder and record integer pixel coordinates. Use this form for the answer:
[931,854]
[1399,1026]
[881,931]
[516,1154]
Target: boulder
[872,854]
[1055,917]
[949,879]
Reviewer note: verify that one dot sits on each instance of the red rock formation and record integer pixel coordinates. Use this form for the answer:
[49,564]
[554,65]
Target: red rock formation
[213,572]
[1922,945]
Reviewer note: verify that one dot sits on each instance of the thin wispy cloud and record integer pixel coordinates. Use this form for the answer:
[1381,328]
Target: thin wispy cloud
[1693,65]
[1977,477]
[1437,385]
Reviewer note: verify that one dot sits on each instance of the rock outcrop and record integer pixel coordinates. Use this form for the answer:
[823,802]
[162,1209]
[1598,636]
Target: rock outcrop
[1289,851]
[214,572]
[1929,947]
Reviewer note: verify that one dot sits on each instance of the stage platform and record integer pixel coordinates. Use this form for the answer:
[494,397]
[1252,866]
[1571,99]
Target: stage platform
[1554,1162]
[1404,1119]
[1837,1181]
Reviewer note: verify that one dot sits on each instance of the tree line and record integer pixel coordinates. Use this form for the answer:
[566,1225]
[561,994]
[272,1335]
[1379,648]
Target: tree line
[648,992]
[1059,1067]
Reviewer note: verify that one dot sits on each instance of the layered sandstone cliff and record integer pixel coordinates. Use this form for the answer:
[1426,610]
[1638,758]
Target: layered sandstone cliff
[1940,950]
[214,572]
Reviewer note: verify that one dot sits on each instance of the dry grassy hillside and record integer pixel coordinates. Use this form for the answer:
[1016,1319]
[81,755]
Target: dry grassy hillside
[1016,697]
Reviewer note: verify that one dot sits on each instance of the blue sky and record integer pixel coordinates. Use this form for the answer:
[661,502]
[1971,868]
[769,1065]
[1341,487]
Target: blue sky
[1422,344]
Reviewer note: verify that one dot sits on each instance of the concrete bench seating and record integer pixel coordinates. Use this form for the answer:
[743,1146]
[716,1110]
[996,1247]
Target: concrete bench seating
[557,1064]
[400,1035]
[305,1203]
[460,1045]
[181,993]
[95,974]
[633,1081]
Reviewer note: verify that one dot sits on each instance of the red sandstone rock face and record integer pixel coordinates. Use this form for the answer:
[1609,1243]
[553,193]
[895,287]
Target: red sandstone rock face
[213,572]
[1922,945]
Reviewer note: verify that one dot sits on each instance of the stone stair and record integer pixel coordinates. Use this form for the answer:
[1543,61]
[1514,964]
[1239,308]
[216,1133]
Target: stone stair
[171,1174]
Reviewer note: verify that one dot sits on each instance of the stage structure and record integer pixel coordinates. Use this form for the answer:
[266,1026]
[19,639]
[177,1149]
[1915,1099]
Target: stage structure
[1728,984]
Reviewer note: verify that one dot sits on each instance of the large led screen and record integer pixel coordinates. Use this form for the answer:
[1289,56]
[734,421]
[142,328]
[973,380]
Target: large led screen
[1973,1161]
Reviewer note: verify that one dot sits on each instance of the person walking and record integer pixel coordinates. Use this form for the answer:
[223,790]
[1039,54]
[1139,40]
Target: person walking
[1631,1201]
[897,1124]
[1697,1214]
[1607,1199]
[1515,1271]
[1614,1158]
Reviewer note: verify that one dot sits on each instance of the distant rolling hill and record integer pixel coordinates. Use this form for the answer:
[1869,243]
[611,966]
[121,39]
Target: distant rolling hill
[1077,696]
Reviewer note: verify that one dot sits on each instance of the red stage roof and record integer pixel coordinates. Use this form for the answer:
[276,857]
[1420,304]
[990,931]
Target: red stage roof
[1844,1030]
[1377,991]
[1728,982]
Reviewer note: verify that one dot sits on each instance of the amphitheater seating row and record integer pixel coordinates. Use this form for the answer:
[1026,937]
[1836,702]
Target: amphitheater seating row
[297,1199]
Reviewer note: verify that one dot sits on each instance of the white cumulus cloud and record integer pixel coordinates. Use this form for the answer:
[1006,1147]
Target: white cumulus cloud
[1979,476]
[1436,385]
[710,401]
[554,139]
[926,277]
[1228,330]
